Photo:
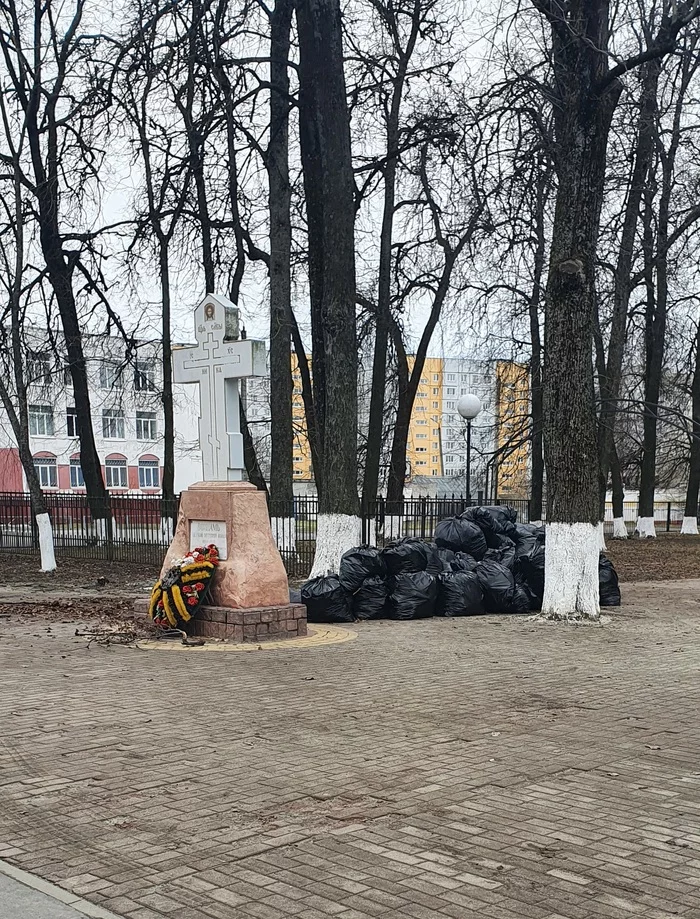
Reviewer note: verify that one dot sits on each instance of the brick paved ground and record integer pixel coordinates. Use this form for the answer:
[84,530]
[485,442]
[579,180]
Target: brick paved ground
[491,767]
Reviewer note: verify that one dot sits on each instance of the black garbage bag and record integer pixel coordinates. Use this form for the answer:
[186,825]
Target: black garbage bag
[326,600]
[524,600]
[410,555]
[505,554]
[460,594]
[493,522]
[463,562]
[447,556]
[413,596]
[498,586]
[461,535]
[530,566]
[608,583]
[359,564]
[370,600]
[435,564]
[527,537]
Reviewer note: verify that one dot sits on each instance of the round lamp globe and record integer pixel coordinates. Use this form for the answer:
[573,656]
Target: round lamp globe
[469,407]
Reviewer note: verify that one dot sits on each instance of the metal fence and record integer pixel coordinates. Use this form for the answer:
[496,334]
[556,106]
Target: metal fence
[136,527]
[140,528]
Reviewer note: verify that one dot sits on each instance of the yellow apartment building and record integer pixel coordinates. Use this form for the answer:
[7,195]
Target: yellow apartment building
[424,448]
[512,428]
[301,458]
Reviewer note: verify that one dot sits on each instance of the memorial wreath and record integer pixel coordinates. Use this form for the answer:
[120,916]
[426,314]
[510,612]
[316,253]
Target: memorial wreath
[181,590]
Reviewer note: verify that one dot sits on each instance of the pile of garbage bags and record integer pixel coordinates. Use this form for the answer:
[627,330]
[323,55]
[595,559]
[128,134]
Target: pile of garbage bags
[482,561]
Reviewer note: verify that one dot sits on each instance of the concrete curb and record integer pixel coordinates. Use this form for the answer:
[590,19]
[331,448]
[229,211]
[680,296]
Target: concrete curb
[55,892]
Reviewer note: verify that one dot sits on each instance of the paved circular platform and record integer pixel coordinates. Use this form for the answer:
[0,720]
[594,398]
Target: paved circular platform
[318,635]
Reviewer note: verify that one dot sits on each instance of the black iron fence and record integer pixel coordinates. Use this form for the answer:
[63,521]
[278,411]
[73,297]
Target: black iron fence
[139,528]
[129,527]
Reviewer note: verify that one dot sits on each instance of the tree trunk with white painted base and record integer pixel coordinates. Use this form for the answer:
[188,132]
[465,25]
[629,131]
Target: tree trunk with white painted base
[324,130]
[619,528]
[583,109]
[48,558]
[618,496]
[689,527]
[690,514]
[571,571]
[335,534]
[645,527]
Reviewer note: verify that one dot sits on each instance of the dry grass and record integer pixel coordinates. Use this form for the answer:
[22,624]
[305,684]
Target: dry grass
[669,557]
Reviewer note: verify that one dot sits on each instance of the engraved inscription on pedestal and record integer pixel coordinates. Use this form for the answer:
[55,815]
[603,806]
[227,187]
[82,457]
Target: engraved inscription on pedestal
[208,532]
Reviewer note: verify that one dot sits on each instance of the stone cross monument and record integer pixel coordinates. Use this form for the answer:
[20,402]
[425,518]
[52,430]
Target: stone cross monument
[250,581]
[217,363]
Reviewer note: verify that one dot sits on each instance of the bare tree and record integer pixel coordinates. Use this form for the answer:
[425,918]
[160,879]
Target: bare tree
[52,85]
[324,129]
[585,92]
[12,242]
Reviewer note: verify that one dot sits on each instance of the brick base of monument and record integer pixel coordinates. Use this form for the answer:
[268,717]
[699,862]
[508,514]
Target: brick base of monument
[268,623]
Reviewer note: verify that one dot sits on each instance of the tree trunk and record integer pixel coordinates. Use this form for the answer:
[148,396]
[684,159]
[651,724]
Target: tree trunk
[611,379]
[536,392]
[324,128]
[18,414]
[168,483]
[690,514]
[618,497]
[281,388]
[402,422]
[60,278]
[582,124]
[375,427]
[654,335]
[59,271]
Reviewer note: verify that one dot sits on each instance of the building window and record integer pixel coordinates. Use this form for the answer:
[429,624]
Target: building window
[451,391]
[76,474]
[450,405]
[38,367]
[110,376]
[436,391]
[146,428]
[435,459]
[422,421]
[420,408]
[115,473]
[424,379]
[436,405]
[71,422]
[436,432]
[436,377]
[46,470]
[449,459]
[41,420]
[144,377]
[450,377]
[421,449]
[112,424]
[421,436]
[435,472]
[421,463]
[149,475]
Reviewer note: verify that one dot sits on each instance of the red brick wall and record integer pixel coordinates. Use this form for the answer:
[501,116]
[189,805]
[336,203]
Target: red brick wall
[11,475]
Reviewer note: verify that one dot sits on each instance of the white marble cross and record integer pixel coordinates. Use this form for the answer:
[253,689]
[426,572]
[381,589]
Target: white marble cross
[217,364]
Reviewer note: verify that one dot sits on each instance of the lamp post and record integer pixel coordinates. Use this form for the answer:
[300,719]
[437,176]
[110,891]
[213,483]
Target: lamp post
[469,407]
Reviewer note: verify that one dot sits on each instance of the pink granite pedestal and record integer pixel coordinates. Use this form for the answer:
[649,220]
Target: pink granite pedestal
[249,599]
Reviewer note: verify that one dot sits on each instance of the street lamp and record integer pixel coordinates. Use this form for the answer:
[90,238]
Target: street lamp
[469,407]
